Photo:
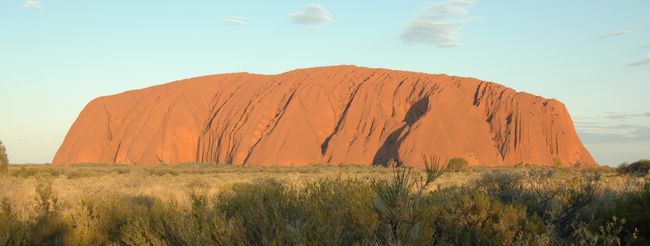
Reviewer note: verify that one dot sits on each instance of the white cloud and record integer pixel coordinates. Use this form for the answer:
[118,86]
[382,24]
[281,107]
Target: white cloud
[614,34]
[644,61]
[32,4]
[236,21]
[645,46]
[439,24]
[313,15]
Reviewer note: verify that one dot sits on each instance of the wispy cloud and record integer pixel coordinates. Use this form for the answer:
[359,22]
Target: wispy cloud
[313,15]
[32,4]
[641,62]
[615,128]
[615,116]
[619,116]
[615,34]
[614,136]
[628,133]
[236,21]
[645,46]
[439,24]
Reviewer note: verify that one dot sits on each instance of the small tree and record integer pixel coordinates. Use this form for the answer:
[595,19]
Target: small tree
[4,160]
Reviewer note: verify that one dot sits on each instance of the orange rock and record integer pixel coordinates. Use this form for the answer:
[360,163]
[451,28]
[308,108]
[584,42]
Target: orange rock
[339,114]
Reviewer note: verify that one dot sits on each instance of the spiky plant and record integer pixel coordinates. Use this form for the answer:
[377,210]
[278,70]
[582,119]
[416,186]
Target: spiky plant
[399,197]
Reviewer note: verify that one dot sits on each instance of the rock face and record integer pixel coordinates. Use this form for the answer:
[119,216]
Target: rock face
[339,114]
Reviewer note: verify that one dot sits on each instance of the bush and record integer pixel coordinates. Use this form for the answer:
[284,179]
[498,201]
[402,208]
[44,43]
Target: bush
[637,168]
[607,234]
[24,172]
[457,164]
[265,212]
[13,231]
[470,217]
[49,226]
[100,219]
[564,206]
[325,212]
[152,222]
[339,212]
[506,186]
[634,208]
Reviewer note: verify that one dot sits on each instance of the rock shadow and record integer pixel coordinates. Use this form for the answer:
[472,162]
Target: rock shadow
[389,149]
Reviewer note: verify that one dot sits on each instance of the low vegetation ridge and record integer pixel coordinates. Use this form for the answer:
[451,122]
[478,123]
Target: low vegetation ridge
[201,204]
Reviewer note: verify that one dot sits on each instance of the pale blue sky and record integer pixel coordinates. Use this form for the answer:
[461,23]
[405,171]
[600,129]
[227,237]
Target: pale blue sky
[56,56]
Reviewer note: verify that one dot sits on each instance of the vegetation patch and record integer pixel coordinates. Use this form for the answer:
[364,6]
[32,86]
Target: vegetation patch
[393,206]
[457,164]
[637,168]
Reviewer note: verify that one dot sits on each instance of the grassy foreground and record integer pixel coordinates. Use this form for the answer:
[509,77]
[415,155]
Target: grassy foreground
[201,204]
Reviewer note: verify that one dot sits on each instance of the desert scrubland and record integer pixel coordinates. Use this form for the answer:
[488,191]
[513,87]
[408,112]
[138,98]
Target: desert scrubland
[192,204]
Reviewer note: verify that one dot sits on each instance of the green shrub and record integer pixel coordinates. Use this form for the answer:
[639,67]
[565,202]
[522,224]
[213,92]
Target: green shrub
[607,234]
[637,168]
[634,208]
[152,222]
[508,187]
[562,205]
[338,212]
[100,220]
[266,212]
[471,217]
[457,164]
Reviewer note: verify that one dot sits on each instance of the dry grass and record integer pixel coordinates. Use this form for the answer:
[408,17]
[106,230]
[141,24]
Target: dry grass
[169,182]
[174,183]
[192,203]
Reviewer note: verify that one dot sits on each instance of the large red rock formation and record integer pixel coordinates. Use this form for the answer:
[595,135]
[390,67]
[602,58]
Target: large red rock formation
[339,114]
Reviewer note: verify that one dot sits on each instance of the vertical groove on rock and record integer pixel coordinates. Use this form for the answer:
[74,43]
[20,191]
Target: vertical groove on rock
[352,96]
[271,125]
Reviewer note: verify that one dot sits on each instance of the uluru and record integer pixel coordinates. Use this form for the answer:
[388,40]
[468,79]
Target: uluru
[336,115]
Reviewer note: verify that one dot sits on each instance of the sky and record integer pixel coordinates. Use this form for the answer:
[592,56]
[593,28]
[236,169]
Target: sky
[56,56]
